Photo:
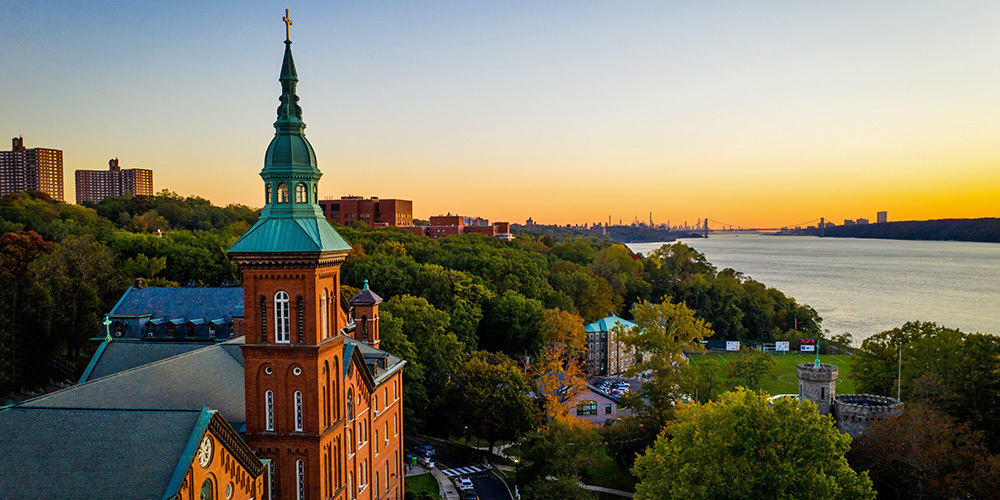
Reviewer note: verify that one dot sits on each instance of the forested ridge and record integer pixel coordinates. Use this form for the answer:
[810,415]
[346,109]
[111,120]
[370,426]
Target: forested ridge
[984,230]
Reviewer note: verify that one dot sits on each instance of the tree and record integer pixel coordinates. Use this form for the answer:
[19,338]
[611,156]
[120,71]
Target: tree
[417,331]
[952,371]
[488,397]
[750,366]
[744,447]
[512,325]
[662,333]
[560,376]
[924,454]
[565,452]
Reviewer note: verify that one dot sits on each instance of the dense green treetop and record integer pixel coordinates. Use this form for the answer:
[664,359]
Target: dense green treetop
[744,447]
[955,372]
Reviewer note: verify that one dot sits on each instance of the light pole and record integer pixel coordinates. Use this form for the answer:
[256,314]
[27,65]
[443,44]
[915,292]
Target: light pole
[899,373]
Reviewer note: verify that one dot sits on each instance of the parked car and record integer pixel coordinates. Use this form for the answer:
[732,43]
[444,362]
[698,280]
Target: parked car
[424,450]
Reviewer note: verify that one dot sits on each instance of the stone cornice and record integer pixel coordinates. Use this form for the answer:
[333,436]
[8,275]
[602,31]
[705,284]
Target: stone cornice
[287,260]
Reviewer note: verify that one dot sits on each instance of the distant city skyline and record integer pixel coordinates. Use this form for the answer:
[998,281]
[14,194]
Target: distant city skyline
[756,115]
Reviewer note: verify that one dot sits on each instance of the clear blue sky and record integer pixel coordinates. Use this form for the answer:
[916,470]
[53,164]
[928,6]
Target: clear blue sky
[746,112]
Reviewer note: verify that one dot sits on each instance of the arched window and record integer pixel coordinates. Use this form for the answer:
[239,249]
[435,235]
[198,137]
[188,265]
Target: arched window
[350,485]
[281,333]
[386,475]
[395,425]
[282,193]
[207,492]
[301,193]
[350,441]
[350,404]
[376,484]
[315,194]
[375,443]
[385,431]
[300,479]
[267,194]
[325,313]
[298,410]
[269,410]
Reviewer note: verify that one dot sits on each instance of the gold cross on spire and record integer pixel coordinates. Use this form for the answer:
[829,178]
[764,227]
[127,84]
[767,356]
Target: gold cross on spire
[288,24]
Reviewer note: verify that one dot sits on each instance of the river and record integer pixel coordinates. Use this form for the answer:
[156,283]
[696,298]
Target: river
[865,286]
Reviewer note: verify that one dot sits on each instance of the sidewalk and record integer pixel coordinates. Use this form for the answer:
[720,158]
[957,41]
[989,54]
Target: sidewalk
[445,486]
[608,490]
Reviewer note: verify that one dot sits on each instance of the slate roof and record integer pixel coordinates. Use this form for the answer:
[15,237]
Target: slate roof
[175,302]
[606,323]
[366,297]
[211,377]
[100,453]
[372,356]
[119,355]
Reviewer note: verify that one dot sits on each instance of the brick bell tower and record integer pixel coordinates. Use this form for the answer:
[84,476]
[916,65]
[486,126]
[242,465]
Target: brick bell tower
[365,305]
[293,353]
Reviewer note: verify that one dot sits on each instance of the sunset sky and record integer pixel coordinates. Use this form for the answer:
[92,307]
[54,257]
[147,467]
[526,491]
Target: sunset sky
[749,113]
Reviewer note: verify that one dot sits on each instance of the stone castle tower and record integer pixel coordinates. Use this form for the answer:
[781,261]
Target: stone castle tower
[818,383]
[853,413]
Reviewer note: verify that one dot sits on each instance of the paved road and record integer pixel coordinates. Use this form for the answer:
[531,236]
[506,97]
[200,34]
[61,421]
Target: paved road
[457,460]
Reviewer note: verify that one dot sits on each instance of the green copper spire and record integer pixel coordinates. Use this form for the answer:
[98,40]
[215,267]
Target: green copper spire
[291,220]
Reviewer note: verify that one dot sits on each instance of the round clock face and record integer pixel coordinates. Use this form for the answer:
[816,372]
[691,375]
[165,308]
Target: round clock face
[205,452]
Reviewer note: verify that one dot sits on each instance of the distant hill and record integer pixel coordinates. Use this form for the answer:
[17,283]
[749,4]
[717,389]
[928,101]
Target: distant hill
[985,230]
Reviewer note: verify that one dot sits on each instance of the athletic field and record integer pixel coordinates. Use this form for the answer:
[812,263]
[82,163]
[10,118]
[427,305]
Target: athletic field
[784,380]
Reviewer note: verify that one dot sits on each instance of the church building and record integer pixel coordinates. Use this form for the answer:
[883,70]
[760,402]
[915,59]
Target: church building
[276,391]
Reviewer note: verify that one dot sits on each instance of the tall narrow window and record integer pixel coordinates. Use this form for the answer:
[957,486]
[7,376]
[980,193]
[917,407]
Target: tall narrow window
[282,193]
[300,319]
[298,410]
[300,479]
[350,404]
[375,442]
[350,441]
[325,308]
[269,410]
[281,333]
[350,485]
[267,194]
[315,194]
[272,483]
[376,484]
[263,319]
[301,193]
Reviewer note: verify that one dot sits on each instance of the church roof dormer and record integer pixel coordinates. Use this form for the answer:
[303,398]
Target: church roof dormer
[291,220]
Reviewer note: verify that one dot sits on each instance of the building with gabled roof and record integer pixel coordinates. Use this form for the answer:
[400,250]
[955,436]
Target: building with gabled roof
[260,392]
[124,454]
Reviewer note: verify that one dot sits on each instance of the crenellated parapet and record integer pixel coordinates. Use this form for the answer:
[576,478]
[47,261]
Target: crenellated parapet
[855,412]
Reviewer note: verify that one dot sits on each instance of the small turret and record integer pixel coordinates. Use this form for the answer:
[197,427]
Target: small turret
[365,305]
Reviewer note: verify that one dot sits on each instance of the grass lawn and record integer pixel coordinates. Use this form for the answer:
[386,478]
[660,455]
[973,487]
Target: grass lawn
[785,381]
[422,482]
[610,474]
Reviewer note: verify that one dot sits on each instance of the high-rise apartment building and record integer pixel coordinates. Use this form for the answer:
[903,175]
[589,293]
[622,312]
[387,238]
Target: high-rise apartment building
[36,169]
[95,185]
[882,217]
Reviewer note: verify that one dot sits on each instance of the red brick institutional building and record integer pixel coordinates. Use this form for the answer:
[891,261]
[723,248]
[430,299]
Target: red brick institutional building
[177,404]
